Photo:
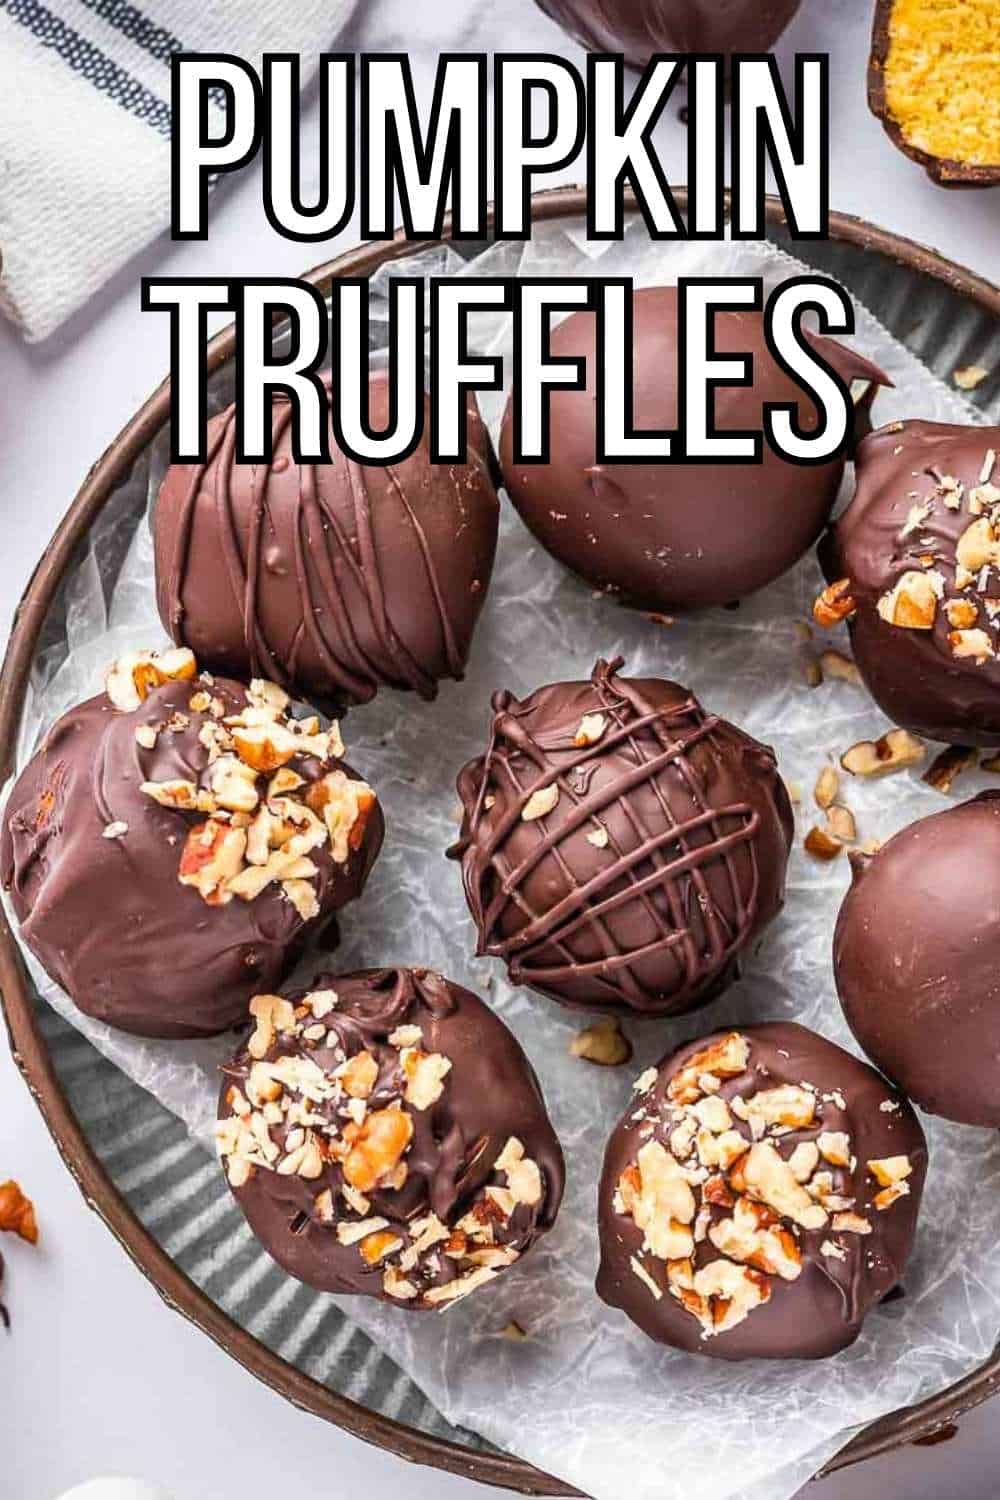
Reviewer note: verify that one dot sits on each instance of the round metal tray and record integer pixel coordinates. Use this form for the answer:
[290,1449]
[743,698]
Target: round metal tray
[158,1193]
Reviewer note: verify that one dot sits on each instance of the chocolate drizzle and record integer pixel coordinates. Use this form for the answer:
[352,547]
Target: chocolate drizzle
[331,579]
[662,855]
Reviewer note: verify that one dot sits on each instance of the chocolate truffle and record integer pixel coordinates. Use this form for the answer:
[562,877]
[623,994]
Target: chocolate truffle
[916,556]
[916,954]
[331,579]
[759,1196]
[924,58]
[385,1136]
[676,536]
[620,846]
[641,28]
[174,840]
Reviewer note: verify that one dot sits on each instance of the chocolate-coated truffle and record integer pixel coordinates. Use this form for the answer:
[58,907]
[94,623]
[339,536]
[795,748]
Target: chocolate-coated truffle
[759,1196]
[675,536]
[919,548]
[331,579]
[916,954]
[385,1136]
[620,846]
[175,839]
[641,28]
[921,55]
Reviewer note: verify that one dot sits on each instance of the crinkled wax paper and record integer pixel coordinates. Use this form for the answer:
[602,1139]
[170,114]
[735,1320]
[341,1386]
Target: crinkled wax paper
[586,1396]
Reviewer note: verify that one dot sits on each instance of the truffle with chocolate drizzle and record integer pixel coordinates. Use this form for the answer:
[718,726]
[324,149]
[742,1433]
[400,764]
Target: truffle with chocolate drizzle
[759,1197]
[174,840]
[332,578]
[385,1135]
[914,568]
[620,846]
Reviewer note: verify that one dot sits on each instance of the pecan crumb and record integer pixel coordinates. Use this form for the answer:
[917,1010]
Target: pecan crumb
[944,768]
[835,664]
[827,787]
[822,844]
[602,1043]
[893,752]
[840,823]
[967,377]
[834,604]
[17,1213]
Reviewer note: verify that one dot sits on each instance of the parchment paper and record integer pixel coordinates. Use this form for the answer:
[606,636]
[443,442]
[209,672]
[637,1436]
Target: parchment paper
[587,1397]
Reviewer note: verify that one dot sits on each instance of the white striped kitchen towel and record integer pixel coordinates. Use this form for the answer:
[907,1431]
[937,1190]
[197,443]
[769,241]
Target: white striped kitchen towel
[85,129]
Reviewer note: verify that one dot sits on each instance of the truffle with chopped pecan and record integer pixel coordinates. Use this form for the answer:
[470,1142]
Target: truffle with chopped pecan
[173,841]
[759,1196]
[916,953]
[916,557]
[621,846]
[333,578]
[386,1136]
[678,536]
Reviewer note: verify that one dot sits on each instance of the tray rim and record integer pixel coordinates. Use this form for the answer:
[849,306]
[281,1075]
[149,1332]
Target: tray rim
[28,1047]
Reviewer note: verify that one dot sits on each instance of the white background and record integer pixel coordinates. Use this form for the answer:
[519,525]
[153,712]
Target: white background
[98,1375]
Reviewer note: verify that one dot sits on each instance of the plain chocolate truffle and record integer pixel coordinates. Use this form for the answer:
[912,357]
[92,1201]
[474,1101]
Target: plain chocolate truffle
[642,28]
[759,1197]
[917,555]
[916,955]
[676,536]
[331,579]
[385,1135]
[620,846]
[175,839]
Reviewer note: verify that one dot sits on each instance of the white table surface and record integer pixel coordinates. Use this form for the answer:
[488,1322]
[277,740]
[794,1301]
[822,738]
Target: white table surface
[98,1375]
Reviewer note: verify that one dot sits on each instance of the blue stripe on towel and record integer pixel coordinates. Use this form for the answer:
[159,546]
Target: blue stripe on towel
[90,62]
[139,29]
[130,21]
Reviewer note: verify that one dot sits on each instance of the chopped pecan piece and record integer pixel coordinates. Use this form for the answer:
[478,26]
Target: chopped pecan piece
[17,1213]
[974,644]
[822,844]
[378,1147]
[840,823]
[540,803]
[834,604]
[212,856]
[826,788]
[913,600]
[949,764]
[896,750]
[132,678]
[603,1043]
[726,1058]
[425,1075]
[889,1170]
[591,729]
